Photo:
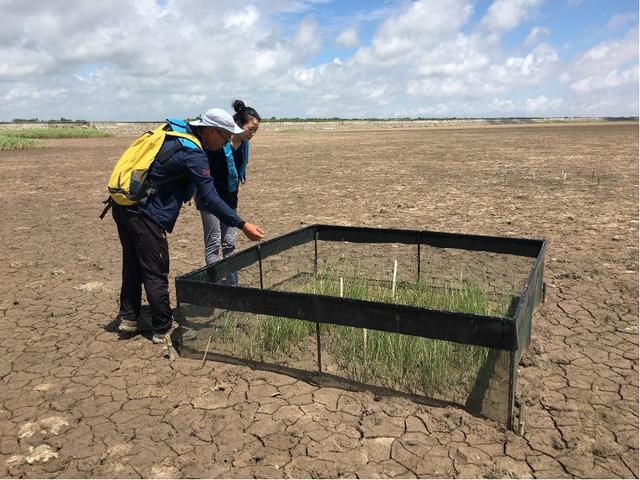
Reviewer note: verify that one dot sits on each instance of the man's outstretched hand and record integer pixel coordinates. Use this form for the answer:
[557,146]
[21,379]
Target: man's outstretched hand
[253,232]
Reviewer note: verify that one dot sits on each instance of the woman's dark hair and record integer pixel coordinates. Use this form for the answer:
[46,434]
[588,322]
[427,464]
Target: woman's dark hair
[243,113]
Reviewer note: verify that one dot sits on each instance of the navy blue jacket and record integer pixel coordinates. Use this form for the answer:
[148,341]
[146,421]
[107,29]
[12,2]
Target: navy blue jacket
[191,167]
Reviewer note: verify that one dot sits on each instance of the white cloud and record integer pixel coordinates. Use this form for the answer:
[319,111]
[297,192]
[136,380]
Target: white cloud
[502,105]
[611,79]
[475,74]
[605,65]
[147,60]
[536,34]
[610,53]
[620,19]
[462,55]
[542,105]
[308,36]
[348,38]
[244,19]
[504,15]
[531,106]
[533,66]
[421,26]
[194,100]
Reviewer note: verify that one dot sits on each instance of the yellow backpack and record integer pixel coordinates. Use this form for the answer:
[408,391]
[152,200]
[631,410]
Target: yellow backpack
[127,185]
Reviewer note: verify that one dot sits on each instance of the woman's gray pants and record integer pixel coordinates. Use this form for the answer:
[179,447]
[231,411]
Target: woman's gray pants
[218,236]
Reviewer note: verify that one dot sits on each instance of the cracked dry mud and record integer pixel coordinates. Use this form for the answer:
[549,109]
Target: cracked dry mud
[76,400]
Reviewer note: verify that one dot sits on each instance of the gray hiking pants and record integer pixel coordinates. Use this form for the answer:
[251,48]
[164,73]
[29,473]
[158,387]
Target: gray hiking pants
[217,236]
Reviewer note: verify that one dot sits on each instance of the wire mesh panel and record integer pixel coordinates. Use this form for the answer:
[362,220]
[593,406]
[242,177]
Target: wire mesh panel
[441,316]
[441,371]
[281,344]
[289,270]
[374,262]
[499,275]
[231,275]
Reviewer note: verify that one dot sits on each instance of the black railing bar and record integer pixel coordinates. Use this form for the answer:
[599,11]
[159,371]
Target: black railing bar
[430,233]
[345,300]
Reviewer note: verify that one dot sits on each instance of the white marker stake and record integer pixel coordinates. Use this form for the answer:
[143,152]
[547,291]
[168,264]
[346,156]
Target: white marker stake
[364,337]
[395,274]
[341,287]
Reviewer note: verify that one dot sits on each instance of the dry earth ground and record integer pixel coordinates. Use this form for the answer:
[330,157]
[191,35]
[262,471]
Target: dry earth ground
[77,401]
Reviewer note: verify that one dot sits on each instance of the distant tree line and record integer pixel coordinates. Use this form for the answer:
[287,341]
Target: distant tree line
[339,119]
[37,120]
[361,119]
[431,119]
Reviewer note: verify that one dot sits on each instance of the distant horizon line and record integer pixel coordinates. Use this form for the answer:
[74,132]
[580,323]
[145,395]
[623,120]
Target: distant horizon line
[341,119]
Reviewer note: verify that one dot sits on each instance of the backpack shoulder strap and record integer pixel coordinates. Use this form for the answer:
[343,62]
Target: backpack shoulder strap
[178,128]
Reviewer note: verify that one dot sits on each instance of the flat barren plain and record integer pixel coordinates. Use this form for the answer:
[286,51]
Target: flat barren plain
[78,400]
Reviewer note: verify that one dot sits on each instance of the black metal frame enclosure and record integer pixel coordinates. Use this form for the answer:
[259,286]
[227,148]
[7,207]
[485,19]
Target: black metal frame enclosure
[510,333]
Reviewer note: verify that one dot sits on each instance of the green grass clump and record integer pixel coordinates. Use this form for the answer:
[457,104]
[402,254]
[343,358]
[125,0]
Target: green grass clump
[404,362]
[401,362]
[58,132]
[279,334]
[266,337]
[464,296]
[8,142]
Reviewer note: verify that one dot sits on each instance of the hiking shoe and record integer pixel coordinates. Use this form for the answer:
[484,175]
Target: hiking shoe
[161,337]
[128,326]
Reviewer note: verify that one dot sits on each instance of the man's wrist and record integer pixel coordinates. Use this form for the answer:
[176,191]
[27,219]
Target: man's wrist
[242,224]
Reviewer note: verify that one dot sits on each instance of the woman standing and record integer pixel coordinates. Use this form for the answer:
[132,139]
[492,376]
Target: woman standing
[229,169]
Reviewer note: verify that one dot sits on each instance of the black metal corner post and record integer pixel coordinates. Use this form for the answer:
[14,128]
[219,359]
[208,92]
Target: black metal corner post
[512,387]
[179,323]
[260,267]
[315,274]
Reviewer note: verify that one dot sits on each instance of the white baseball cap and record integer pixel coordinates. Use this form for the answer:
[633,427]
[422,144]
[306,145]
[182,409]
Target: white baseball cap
[216,117]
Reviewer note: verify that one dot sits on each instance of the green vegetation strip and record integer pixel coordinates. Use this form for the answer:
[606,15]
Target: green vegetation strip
[58,132]
[8,142]
[29,137]
[402,362]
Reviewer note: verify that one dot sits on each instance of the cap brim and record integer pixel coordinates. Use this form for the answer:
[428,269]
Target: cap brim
[200,123]
[236,129]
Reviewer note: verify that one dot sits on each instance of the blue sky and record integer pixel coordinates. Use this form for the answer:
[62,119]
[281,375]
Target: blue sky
[146,59]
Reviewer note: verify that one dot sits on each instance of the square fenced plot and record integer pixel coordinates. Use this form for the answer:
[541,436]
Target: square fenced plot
[438,316]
